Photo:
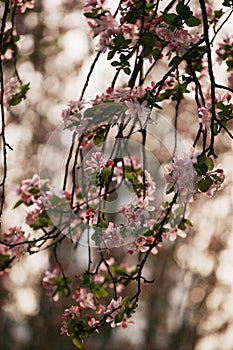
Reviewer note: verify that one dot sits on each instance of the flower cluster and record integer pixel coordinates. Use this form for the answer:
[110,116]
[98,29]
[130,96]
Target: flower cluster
[9,89]
[23,5]
[225,51]
[46,206]
[50,283]
[107,108]
[10,44]
[89,313]
[193,173]
[112,200]
[181,176]
[223,107]
[116,315]
[178,40]
[14,243]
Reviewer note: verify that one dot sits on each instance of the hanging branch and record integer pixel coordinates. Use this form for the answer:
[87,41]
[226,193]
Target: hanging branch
[3,134]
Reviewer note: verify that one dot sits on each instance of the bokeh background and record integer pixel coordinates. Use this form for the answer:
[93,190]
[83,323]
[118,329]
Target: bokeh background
[190,305]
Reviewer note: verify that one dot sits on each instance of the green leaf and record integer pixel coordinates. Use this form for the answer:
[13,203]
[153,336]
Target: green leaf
[121,42]
[5,261]
[103,223]
[205,184]
[119,317]
[170,18]
[100,292]
[17,204]
[125,301]
[210,164]
[127,70]
[204,164]
[111,54]
[188,222]
[99,137]
[78,342]
[115,63]
[182,226]
[228,3]
[24,88]
[175,61]
[132,16]
[218,13]
[192,21]
[183,10]
[90,14]
[15,100]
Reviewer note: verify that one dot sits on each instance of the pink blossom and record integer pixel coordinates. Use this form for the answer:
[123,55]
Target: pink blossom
[30,189]
[15,238]
[126,322]
[91,5]
[223,48]
[96,162]
[105,22]
[100,309]
[112,237]
[178,40]
[69,314]
[217,183]
[113,309]
[33,214]
[205,113]
[50,284]
[139,245]
[9,91]
[181,176]
[92,322]
[23,5]
[85,299]
[136,109]
[173,233]
[73,116]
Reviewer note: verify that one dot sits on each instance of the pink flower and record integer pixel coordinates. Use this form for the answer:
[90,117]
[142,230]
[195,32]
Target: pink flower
[126,322]
[178,40]
[70,314]
[50,284]
[205,113]
[105,22]
[92,322]
[9,91]
[181,177]
[135,109]
[23,5]
[112,237]
[85,299]
[223,48]
[30,189]
[174,233]
[218,179]
[15,238]
[96,162]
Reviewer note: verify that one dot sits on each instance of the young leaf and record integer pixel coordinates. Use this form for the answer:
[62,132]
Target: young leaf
[111,54]
[192,21]
[183,10]
[127,70]
[78,342]
[204,184]
[170,18]
[100,292]
[174,61]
